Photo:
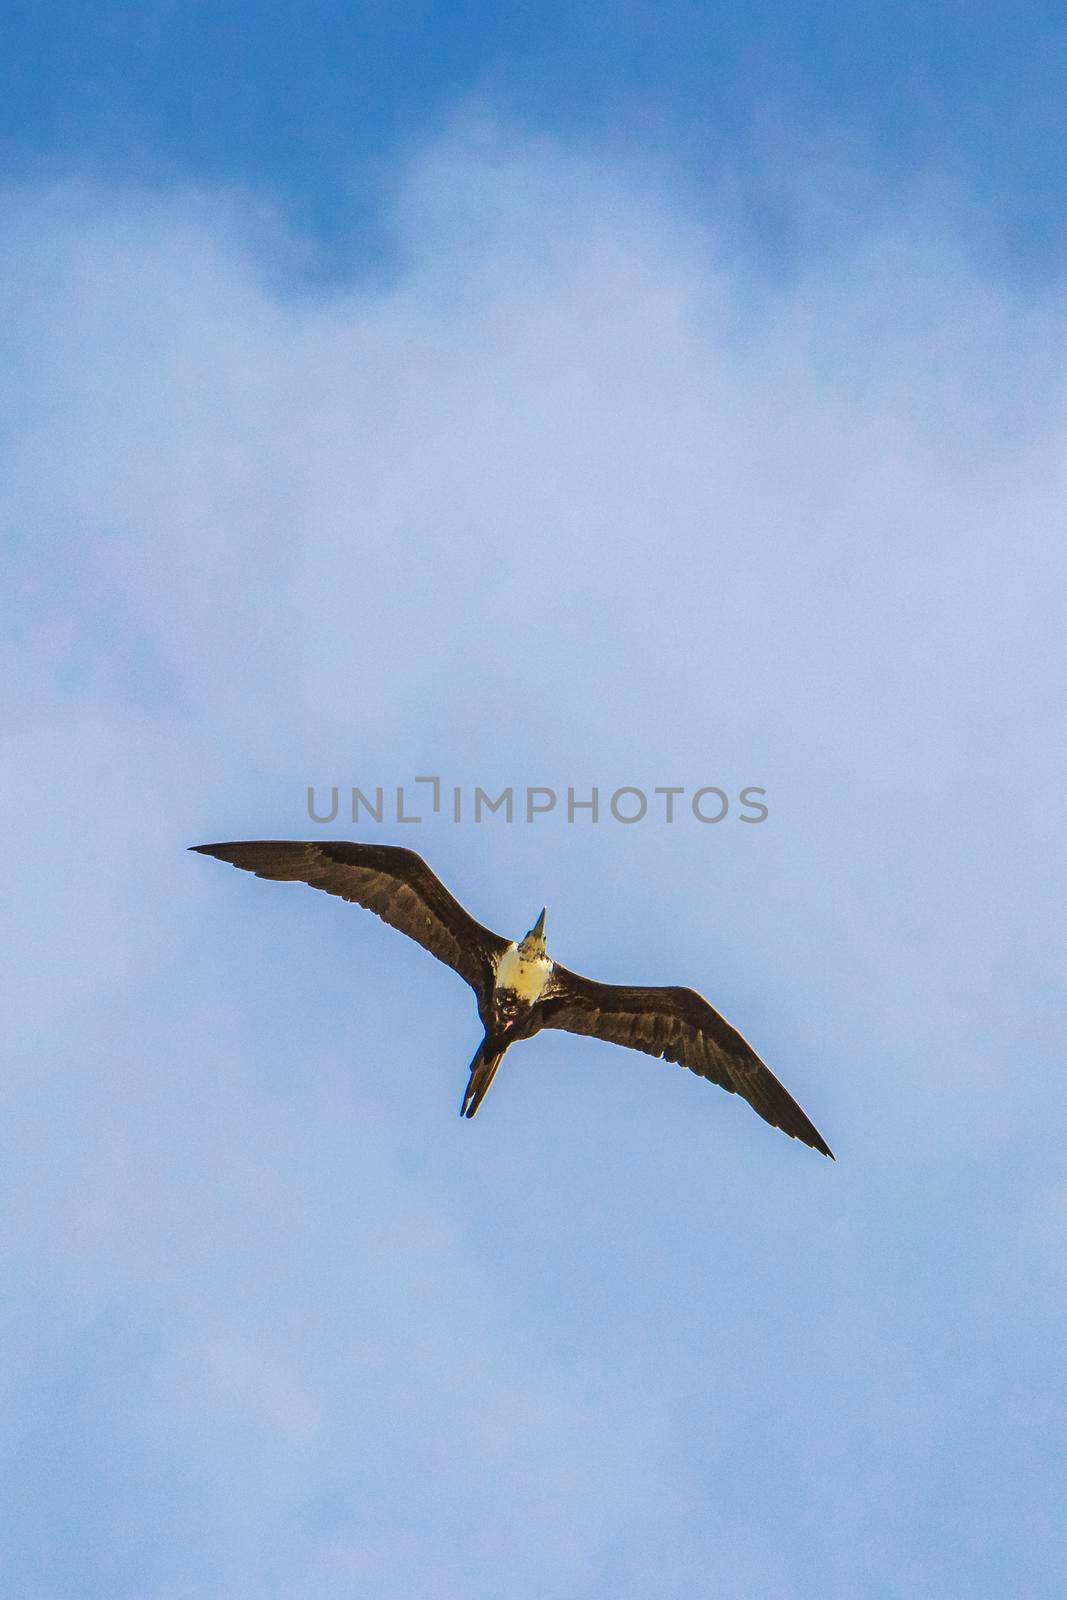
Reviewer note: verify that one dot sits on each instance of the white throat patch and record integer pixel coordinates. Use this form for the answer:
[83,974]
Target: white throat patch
[524,978]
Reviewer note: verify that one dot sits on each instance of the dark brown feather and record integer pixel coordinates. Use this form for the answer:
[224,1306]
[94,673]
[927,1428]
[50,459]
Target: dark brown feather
[676,1025]
[394,883]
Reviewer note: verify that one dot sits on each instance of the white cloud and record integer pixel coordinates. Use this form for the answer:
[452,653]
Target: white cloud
[567,500]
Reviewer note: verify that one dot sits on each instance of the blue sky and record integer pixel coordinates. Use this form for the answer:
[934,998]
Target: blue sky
[309,101]
[533,400]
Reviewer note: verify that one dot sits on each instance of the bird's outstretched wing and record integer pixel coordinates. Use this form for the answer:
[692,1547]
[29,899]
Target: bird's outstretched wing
[676,1025]
[394,883]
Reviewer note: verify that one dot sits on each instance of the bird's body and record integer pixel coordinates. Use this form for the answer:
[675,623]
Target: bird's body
[519,989]
[524,976]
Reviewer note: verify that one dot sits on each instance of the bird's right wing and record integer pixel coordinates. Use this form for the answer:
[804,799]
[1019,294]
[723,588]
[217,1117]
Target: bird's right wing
[676,1025]
[394,883]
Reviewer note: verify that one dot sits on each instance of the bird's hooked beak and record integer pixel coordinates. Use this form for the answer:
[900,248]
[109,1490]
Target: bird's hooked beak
[537,932]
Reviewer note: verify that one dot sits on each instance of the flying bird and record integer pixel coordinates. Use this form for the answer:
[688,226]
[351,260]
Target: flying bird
[519,988]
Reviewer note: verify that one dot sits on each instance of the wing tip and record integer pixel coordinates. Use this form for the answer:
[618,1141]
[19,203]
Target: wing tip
[221,852]
[818,1144]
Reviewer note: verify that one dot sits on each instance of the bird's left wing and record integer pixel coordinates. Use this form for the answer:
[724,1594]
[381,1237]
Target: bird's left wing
[676,1025]
[394,883]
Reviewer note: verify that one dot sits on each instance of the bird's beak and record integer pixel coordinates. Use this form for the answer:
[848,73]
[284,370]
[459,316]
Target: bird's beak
[538,929]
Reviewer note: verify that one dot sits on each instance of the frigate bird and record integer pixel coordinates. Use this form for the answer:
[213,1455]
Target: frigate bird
[519,989]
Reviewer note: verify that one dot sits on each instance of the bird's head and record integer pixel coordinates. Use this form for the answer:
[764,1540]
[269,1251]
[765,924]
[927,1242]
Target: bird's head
[533,943]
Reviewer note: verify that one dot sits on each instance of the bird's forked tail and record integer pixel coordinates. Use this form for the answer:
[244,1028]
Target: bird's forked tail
[483,1071]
